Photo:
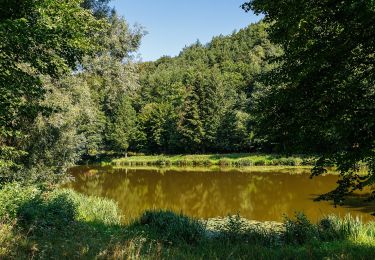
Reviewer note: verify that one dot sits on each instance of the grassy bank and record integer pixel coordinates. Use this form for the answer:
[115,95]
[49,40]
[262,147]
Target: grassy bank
[232,160]
[38,223]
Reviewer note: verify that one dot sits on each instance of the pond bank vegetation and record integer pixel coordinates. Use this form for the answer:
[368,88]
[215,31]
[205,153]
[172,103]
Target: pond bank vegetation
[224,160]
[42,223]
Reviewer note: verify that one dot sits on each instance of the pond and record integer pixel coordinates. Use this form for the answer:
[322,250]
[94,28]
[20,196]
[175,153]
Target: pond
[258,194]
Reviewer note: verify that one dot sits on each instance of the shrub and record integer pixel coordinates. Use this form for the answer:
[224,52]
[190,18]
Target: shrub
[173,228]
[329,228]
[275,162]
[160,162]
[244,162]
[224,162]
[287,162]
[33,207]
[234,228]
[13,196]
[299,230]
[55,211]
[94,209]
[201,162]
[260,162]
[309,161]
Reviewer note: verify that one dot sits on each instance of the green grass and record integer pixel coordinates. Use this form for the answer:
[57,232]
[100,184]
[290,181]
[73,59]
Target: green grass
[57,224]
[223,160]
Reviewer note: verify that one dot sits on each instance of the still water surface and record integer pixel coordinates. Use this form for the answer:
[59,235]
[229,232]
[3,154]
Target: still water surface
[259,195]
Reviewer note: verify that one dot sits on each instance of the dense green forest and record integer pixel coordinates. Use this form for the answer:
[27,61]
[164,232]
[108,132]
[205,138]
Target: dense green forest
[299,82]
[71,88]
[200,101]
[106,102]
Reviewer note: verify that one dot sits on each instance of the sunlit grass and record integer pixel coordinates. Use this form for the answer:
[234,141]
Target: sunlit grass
[223,160]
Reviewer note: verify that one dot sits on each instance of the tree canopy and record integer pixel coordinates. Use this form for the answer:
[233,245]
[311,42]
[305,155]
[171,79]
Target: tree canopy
[321,96]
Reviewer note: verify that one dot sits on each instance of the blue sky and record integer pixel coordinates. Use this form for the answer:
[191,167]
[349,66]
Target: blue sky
[173,24]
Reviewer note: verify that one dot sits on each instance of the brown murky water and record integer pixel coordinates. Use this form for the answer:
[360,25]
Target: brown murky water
[259,195]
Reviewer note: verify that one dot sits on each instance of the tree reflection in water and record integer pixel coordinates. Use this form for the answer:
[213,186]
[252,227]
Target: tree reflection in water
[205,194]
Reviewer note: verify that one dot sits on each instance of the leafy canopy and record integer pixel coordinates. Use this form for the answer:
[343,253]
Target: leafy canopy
[38,38]
[321,97]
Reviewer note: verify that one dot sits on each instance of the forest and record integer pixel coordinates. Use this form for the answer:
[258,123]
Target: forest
[299,82]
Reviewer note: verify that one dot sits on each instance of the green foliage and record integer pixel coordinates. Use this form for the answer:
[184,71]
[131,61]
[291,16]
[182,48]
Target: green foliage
[39,38]
[65,70]
[173,228]
[199,101]
[123,128]
[100,8]
[41,209]
[13,196]
[234,160]
[320,97]
[92,209]
[56,211]
[169,235]
[299,230]
[31,208]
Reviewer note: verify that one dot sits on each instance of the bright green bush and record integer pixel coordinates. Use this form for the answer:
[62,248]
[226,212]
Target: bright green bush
[32,206]
[13,196]
[243,163]
[224,162]
[93,209]
[260,162]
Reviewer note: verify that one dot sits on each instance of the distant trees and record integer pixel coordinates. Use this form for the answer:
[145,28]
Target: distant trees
[321,96]
[122,129]
[205,94]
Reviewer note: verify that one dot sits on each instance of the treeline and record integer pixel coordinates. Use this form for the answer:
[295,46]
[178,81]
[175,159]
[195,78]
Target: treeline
[200,101]
[197,102]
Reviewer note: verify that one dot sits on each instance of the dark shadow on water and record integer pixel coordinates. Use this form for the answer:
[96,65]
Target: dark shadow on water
[355,203]
[359,202]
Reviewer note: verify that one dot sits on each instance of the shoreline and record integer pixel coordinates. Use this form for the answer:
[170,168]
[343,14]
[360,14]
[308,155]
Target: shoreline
[223,160]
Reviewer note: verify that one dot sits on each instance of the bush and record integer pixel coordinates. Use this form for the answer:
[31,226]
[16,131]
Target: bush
[13,196]
[224,162]
[299,230]
[308,161]
[329,229]
[201,162]
[234,228]
[173,228]
[244,162]
[260,162]
[34,207]
[55,211]
[94,209]
[275,162]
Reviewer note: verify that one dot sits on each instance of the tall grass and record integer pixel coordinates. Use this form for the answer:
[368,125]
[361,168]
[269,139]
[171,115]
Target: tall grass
[233,160]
